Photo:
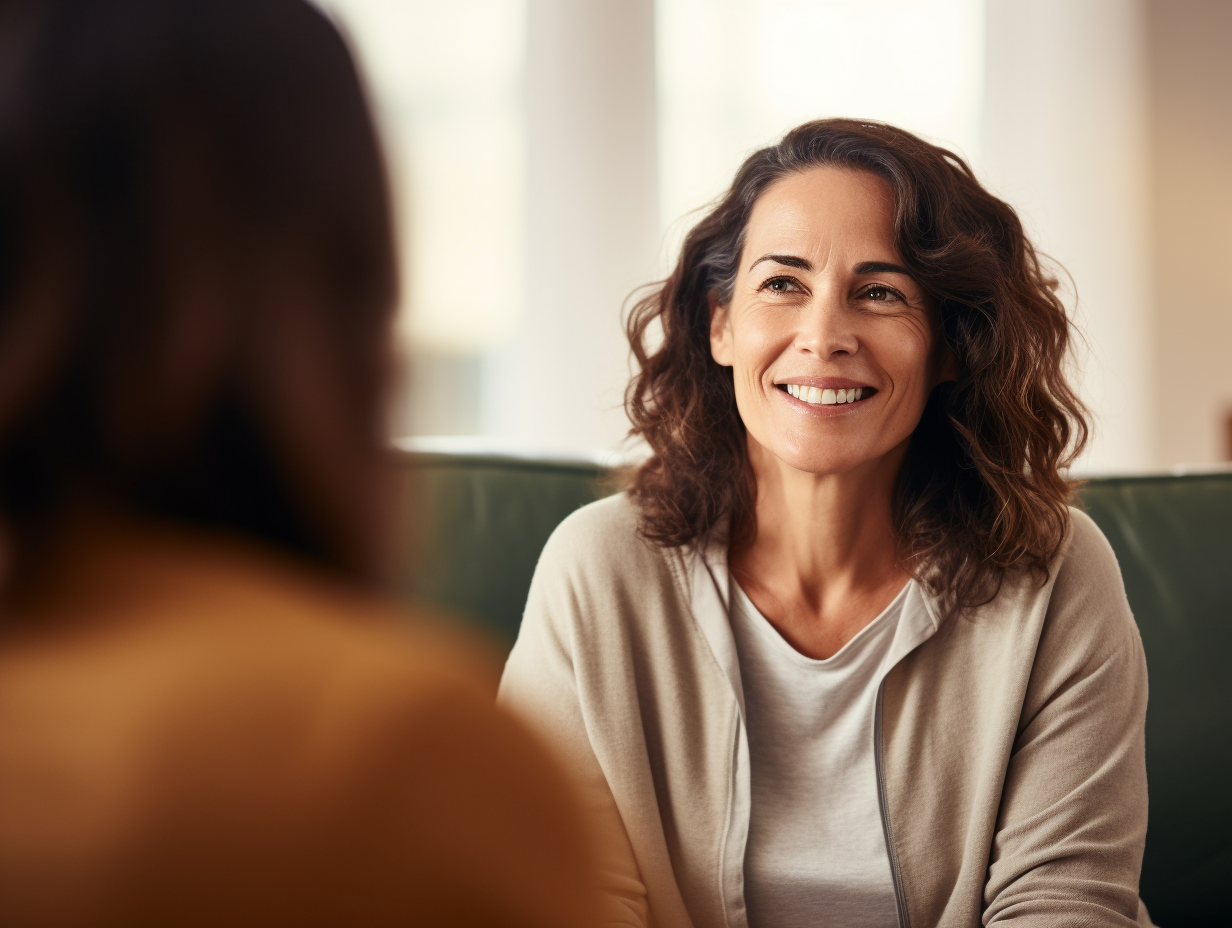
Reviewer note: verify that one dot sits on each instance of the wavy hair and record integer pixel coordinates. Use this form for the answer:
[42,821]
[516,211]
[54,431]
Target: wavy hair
[981,490]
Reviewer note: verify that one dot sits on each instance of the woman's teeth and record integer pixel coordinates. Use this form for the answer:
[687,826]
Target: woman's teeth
[818,397]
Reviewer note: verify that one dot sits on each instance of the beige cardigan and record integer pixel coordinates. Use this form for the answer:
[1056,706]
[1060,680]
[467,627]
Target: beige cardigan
[1009,743]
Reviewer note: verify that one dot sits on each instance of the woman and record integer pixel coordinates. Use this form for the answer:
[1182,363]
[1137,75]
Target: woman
[842,654]
[208,715]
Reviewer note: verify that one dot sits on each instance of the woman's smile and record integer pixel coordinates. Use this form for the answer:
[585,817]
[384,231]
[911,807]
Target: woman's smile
[825,395]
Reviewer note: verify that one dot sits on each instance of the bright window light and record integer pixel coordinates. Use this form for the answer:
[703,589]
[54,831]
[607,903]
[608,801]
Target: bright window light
[734,75]
[447,80]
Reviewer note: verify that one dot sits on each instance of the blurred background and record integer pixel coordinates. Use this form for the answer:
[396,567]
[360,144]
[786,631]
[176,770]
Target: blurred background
[548,156]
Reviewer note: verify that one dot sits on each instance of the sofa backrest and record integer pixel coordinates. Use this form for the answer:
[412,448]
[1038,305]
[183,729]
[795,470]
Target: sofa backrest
[475,527]
[1173,539]
[478,523]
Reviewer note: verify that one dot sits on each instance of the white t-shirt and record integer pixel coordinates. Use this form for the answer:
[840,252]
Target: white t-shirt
[816,853]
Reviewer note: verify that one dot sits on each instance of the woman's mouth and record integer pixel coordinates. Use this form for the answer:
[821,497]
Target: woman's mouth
[817,396]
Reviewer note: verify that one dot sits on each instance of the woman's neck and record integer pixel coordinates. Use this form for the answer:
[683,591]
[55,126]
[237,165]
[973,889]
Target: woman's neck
[824,561]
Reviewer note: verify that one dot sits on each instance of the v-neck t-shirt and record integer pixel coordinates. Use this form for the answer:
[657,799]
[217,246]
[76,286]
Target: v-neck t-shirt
[816,852]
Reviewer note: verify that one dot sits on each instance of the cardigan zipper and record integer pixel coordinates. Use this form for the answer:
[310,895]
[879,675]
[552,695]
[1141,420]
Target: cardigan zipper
[900,900]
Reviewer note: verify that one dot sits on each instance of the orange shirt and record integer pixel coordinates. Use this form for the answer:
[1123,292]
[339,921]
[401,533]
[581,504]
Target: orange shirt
[199,731]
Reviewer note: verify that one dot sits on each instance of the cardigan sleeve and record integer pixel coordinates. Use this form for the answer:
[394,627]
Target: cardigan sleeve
[1072,824]
[540,684]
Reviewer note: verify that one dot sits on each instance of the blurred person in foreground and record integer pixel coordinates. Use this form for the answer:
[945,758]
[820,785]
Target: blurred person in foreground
[207,714]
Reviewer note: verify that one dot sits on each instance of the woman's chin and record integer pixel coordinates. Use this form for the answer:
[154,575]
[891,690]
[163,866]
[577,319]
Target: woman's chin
[819,462]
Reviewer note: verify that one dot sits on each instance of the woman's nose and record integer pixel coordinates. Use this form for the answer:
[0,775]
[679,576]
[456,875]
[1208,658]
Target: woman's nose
[827,328]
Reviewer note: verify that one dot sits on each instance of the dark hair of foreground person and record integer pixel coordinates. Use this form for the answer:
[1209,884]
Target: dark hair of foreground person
[196,273]
[982,489]
[208,715]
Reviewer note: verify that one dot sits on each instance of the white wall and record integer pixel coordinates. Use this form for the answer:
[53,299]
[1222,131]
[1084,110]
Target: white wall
[447,83]
[1066,141]
[735,75]
[447,79]
[1192,153]
[592,224]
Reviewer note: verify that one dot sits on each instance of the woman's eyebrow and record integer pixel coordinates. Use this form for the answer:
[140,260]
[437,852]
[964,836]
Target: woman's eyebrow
[864,267]
[788,260]
[881,267]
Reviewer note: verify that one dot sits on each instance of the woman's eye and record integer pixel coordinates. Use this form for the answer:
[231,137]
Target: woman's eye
[780,285]
[883,295]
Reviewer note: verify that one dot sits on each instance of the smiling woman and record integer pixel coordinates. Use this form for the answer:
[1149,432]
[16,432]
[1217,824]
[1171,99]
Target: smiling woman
[843,654]
[936,254]
[828,308]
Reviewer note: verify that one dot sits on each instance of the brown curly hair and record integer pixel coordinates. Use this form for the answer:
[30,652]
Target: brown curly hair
[981,490]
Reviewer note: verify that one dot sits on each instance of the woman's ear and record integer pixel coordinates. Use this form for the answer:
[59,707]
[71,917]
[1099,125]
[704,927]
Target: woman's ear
[720,332]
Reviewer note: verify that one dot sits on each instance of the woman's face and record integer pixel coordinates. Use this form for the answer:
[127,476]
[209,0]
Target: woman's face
[832,346]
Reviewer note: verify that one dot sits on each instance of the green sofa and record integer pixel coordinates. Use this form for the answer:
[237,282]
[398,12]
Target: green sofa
[479,521]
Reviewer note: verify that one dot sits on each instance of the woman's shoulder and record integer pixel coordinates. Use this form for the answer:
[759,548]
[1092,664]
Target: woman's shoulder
[1087,598]
[601,538]
[613,515]
[598,563]
[1082,591]
[1088,554]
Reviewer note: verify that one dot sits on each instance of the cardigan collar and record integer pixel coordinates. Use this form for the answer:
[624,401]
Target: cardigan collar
[708,577]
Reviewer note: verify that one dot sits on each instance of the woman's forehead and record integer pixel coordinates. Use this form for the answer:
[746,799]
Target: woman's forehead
[823,210]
